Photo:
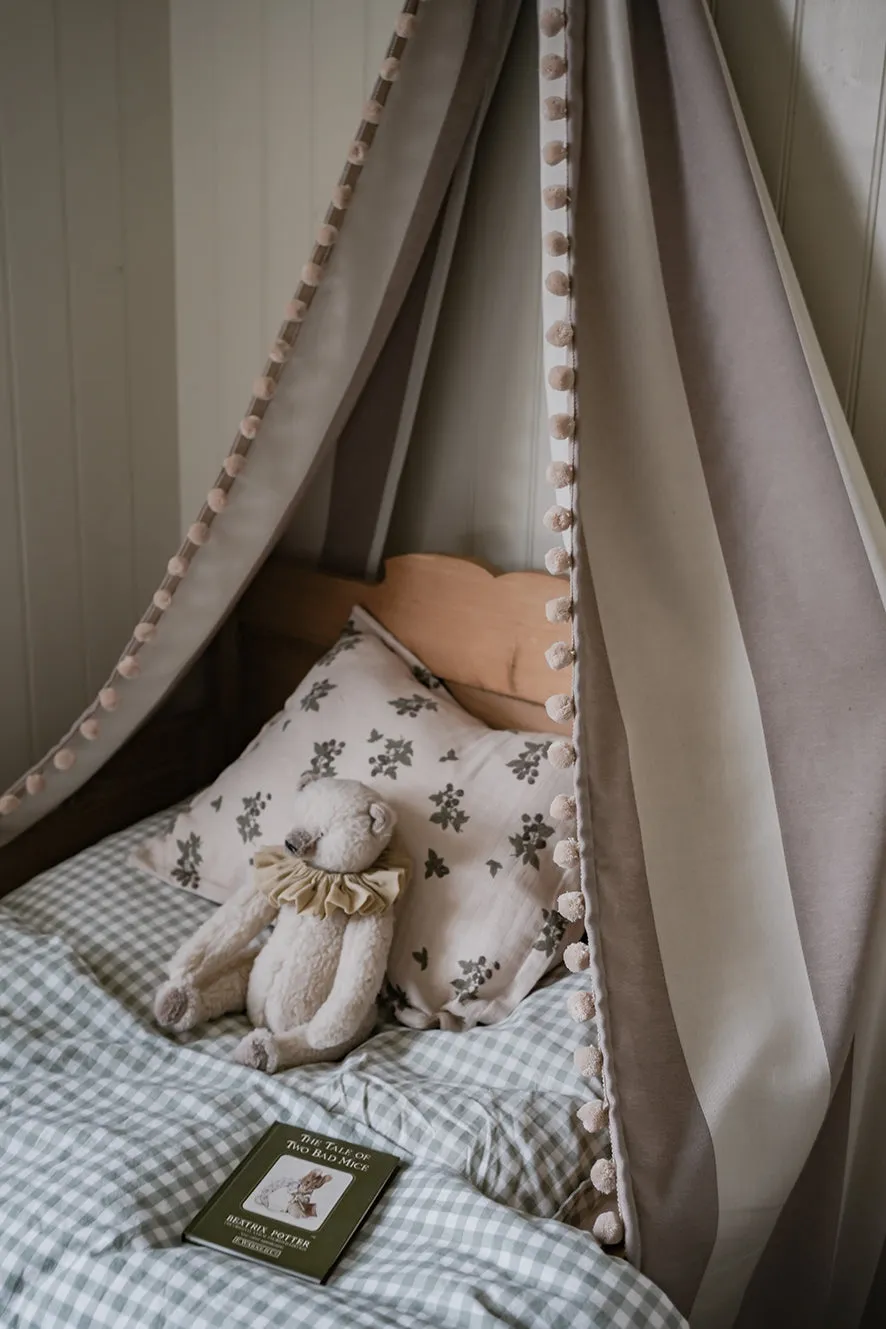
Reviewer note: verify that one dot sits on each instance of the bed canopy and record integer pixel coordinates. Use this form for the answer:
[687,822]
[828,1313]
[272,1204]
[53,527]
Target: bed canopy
[727,572]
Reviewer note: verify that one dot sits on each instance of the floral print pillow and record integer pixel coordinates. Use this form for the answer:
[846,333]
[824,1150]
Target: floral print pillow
[478,926]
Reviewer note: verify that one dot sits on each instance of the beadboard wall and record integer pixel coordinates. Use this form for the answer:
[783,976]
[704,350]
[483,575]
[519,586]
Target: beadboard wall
[88,447]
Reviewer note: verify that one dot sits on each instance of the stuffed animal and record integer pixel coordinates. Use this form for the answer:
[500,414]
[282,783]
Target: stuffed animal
[329,891]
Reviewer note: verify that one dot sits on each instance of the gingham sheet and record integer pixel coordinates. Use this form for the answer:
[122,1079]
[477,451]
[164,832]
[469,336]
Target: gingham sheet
[112,1135]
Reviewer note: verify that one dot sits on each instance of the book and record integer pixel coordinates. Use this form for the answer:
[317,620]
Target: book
[295,1202]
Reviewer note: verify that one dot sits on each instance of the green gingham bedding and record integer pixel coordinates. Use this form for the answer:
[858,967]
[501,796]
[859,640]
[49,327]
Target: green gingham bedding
[112,1135]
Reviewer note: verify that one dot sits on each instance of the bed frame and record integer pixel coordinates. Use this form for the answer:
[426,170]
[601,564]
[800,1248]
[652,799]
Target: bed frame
[484,634]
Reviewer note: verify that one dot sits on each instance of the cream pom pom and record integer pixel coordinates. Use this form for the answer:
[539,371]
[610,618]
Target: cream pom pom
[554,152]
[108,699]
[405,25]
[557,518]
[35,783]
[64,759]
[592,1115]
[562,378]
[552,21]
[571,906]
[561,425]
[295,311]
[581,1006]
[327,235]
[608,1228]
[8,804]
[558,561]
[560,474]
[233,464]
[280,351]
[217,499]
[559,334]
[250,426]
[557,282]
[555,197]
[128,667]
[554,108]
[604,1176]
[576,957]
[89,730]
[143,631]
[552,66]
[162,598]
[357,153]
[566,853]
[563,808]
[588,1061]
[177,566]
[372,112]
[556,244]
[264,388]
[559,610]
[560,707]
[342,194]
[312,274]
[198,534]
[561,754]
[559,655]
[390,69]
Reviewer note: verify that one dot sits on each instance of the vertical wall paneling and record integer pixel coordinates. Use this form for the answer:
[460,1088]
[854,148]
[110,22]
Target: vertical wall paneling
[869,416]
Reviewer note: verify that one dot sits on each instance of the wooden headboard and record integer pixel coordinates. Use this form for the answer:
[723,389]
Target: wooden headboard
[485,635]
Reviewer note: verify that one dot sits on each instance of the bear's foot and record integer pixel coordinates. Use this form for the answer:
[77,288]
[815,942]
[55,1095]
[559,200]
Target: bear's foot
[177,1006]
[258,1050]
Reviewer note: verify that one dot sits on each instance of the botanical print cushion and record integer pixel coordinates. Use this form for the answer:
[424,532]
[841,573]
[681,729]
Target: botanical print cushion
[478,926]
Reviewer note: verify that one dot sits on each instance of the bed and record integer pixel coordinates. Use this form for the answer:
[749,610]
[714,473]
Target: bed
[114,1134]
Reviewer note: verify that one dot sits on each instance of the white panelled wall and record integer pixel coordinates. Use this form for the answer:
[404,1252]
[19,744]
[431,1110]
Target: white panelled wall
[88,448]
[247,106]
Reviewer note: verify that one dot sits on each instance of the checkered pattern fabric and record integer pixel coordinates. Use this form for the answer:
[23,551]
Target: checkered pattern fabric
[114,1135]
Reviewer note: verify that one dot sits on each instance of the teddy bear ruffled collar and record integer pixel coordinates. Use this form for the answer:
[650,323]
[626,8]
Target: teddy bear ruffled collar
[285,879]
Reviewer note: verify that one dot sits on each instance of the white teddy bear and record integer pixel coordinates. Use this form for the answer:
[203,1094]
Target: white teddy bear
[311,990]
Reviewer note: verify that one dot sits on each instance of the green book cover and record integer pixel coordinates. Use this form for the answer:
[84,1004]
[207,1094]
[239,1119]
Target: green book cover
[294,1202]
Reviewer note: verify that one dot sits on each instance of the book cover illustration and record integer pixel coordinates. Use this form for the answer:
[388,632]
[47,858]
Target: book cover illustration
[295,1201]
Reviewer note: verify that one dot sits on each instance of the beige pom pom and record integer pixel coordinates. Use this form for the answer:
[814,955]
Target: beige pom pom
[342,194]
[562,378]
[577,957]
[250,426]
[35,783]
[592,1115]
[552,66]
[555,196]
[295,311]
[556,244]
[390,69]
[554,108]
[571,906]
[162,598]
[280,351]
[312,274]
[177,566]
[405,25]
[8,804]
[559,610]
[561,754]
[217,500]
[581,1006]
[143,632]
[552,21]
[89,730]
[198,534]
[560,708]
[608,1228]
[558,561]
[566,853]
[559,655]
[233,464]
[560,474]
[128,667]
[64,759]
[604,1176]
[561,425]
[108,699]
[357,153]
[588,1061]
[557,283]
[559,334]
[372,112]
[327,235]
[264,388]
[554,152]
[563,808]
[557,518]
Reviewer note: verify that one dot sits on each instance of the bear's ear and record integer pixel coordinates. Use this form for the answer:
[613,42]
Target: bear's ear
[382,817]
